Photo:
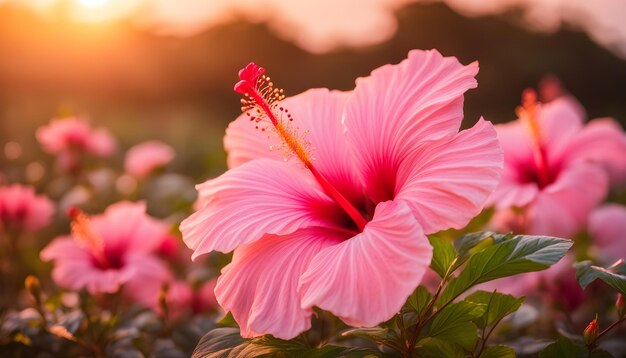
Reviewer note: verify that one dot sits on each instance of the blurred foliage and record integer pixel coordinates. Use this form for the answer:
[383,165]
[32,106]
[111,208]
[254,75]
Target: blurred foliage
[144,85]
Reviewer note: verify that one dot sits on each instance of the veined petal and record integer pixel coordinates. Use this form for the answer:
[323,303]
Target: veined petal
[365,280]
[316,112]
[259,286]
[401,106]
[602,141]
[319,111]
[243,142]
[563,207]
[259,197]
[447,181]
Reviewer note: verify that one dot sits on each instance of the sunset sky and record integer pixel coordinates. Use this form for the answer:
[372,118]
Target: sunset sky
[320,25]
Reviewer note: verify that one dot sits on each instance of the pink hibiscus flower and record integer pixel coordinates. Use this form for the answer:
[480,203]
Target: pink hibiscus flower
[343,226]
[22,209]
[556,169]
[68,138]
[143,158]
[107,251]
[607,229]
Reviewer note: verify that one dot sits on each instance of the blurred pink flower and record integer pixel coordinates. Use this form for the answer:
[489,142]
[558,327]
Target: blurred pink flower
[607,229]
[204,297]
[556,285]
[378,169]
[143,158]
[109,250]
[69,137]
[22,209]
[556,169]
[179,299]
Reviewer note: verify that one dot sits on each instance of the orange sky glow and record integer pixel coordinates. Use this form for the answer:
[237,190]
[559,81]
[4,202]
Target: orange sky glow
[320,25]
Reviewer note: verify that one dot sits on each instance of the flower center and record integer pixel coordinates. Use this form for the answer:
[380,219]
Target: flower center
[83,233]
[260,103]
[527,113]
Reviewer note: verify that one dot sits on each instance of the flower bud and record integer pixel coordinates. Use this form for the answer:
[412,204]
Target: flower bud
[592,331]
[620,305]
[33,286]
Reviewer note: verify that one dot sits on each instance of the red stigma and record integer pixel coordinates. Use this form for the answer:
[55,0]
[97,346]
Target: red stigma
[73,212]
[248,77]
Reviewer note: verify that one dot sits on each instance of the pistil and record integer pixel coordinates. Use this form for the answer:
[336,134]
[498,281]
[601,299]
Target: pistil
[528,114]
[260,102]
[83,233]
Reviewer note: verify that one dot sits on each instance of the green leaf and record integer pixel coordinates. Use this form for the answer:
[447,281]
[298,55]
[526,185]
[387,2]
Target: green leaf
[218,343]
[586,273]
[498,352]
[454,324]
[379,335]
[418,301]
[435,348]
[443,255]
[332,351]
[227,321]
[469,244]
[506,257]
[563,348]
[278,345]
[498,306]
[600,353]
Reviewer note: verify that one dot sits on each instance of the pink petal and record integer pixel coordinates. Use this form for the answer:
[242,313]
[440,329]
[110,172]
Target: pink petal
[317,112]
[259,286]
[74,268]
[126,226]
[257,198]
[602,141]
[243,143]
[559,121]
[447,181]
[145,276]
[145,157]
[607,228]
[401,106]
[563,207]
[101,143]
[517,150]
[365,280]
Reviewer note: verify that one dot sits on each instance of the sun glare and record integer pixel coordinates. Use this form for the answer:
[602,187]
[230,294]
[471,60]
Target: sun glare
[92,4]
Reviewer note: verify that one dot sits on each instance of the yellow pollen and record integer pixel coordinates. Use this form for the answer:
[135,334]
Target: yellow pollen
[83,233]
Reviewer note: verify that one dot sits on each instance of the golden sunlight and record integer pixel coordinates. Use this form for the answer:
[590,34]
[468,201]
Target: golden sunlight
[92,4]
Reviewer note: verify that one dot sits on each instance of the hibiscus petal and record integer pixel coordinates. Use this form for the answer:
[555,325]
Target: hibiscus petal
[243,142]
[401,106]
[74,268]
[126,226]
[365,280]
[607,228]
[145,276]
[562,208]
[257,198]
[447,182]
[517,150]
[559,121]
[259,287]
[602,141]
[317,112]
